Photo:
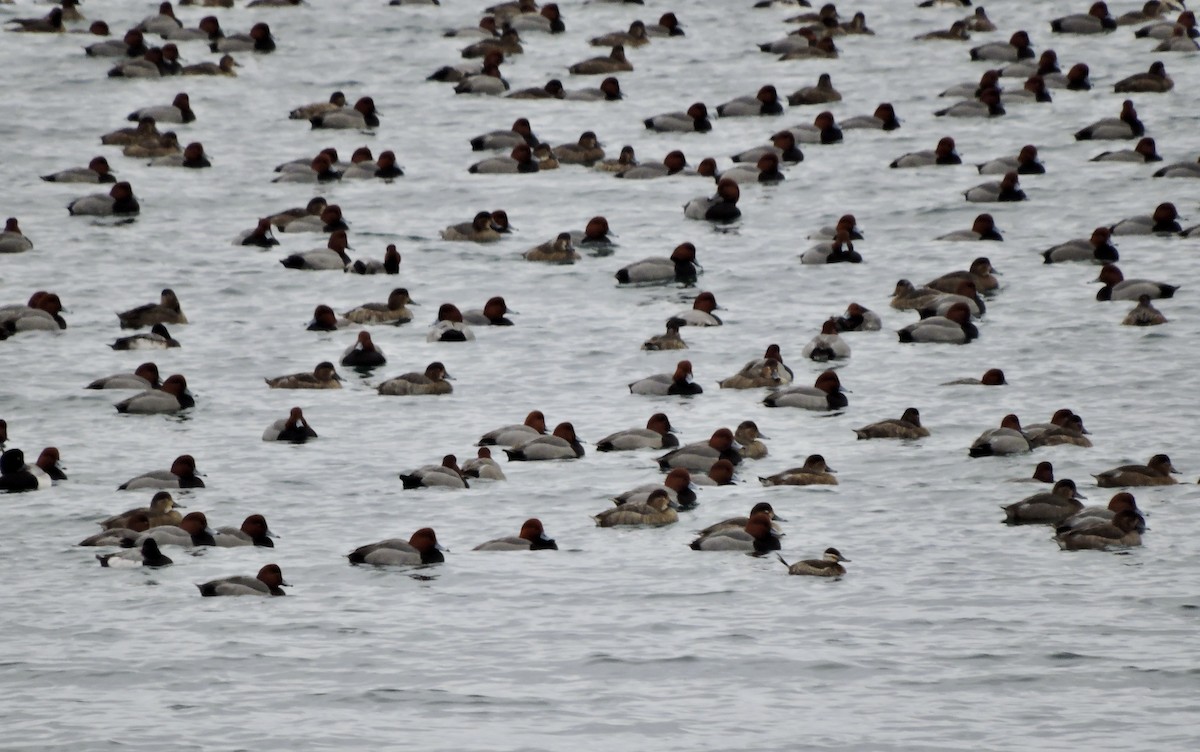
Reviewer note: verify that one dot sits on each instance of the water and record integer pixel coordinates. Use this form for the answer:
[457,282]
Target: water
[950,632]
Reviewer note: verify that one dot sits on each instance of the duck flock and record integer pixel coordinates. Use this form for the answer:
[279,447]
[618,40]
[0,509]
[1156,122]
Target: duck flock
[694,253]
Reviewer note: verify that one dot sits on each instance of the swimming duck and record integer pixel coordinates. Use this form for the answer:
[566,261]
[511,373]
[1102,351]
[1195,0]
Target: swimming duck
[482,229]
[143,377]
[148,555]
[758,373]
[824,130]
[821,93]
[587,150]
[336,101]
[1064,427]
[1024,163]
[1017,48]
[445,475]
[293,429]
[42,312]
[534,426]
[664,383]
[483,466]
[986,105]
[657,434]
[389,265]
[701,312]
[1153,80]
[421,548]
[363,353]
[383,168]
[958,32]
[519,161]
[1096,21]
[721,207]
[1097,249]
[118,201]
[12,240]
[97,171]
[981,275]
[361,116]
[672,164]
[944,154]
[253,531]
[1096,515]
[192,530]
[324,376]
[1181,40]
[720,474]
[224,67]
[766,170]
[991,377]
[1008,189]
[15,477]
[507,44]
[609,90]
[1116,287]
[825,394]
[636,36]
[1156,472]
[160,512]
[1046,508]
[655,511]
[172,397]
[814,473]
[179,111]
[828,345]
[330,258]
[858,319]
[669,340]
[1144,314]
[830,565]
[520,133]
[764,102]
[907,426]
[698,457]
[547,19]
[492,313]
[883,119]
[983,228]
[954,327]
[1127,125]
[1122,531]
[758,537]
[433,381]
[1007,439]
[268,581]
[840,251]
[325,320]
[558,251]
[783,147]
[677,484]
[158,339]
[1164,220]
[260,236]
[166,311]
[258,40]
[748,435]
[51,23]
[614,62]
[449,326]
[738,523]
[668,26]
[531,538]
[964,292]
[1145,151]
[560,445]
[394,311]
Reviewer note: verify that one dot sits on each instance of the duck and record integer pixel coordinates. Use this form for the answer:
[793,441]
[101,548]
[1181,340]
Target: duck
[558,251]
[840,251]
[1043,472]
[945,327]
[293,429]
[986,105]
[1097,515]
[750,439]
[422,547]
[757,537]
[815,49]
[1121,531]
[383,168]
[1024,163]
[677,484]
[520,133]
[166,145]
[268,581]
[721,207]
[1097,249]
[1164,220]
[166,311]
[669,340]
[172,397]
[1126,125]
[991,377]
[329,220]
[1046,67]
[394,311]
[319,170]
[766,170]
[519,161]
[483,466]
[944,153]
[829,565]
[824,130]
[698,457]
[587,150]
[48,467]
[181,475]
[131,45]
[825,394]
[492,313]
[882,119]
[389,265]
[694,120]
[815,472]
[1008,189]
[609,90]
[1096,21]
[658,434]
[1007,439]
[179,111]
[119,201]
[223,67]
[486,80]
[758,373]
[324,376]
[1156,472]
[449,326]
[1178,169]
[481,229]
[615,62]
[1150,10]
[828,345]
[162,511]
[965,292]
[508,44]
[668,26]
[661,384]
[671,164]
[433,381]
[330,258]
[782,146]
[764,102]
[626,160]
[143,377]
[192,530]
[823,91]
[1165,29]
[701,312]
[1116,287]
[681,267]
[907,426]
[97,171]
[260,236]
[534,426]
[1154,80]
[336,101]
[983,228]
[325,320]
[858,319]
[1144,314]
[548,19]
[363,353]
[1181,40]
[1017,48]
[562,444]
[15,476]
[1064,427]
[158,339]
[445,475]
[1045,508]
[43,312]
[258,40]
[51,23]
[532,537]
[958,32]
[636,36]
[253,531]
[1146,150]
[720,474]
[981,274]
[362,116]
[655,511]
[148,555]
[738,523]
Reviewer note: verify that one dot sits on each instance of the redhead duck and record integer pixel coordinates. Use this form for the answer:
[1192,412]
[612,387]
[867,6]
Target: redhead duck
[1097,249]
[165,311]
[488,82]
[609,90]
[508,44]
[560,445]
[840,251]
[131,45]
[1077,78]
[293,429]
[492,313]
[1153,80]
[330,258]
[208,29]
[97,171]
[943,154]
[520,133]
[394,311]
[148,555]
[421,548]
[482,229]
[1116,287]
[253,532]
[166,145]
[1017,48]
[449,326]
[821,93]
[1122,530]
[463,73]
[1043,472]
[986,106]
[669,340]
[829,565]
[758,373]
[586,151]
[43,312]
[1065,428]
[737,523]
[964,292]
[483,466]
[519,161]
[547,20]
[720,474]
[981,274]
[804,46]
[389,265]
[553,89]
[445,475]
[361,116]
[192,530]
[179,111]
[534,426]
[144,377]
[315,207]
[883,119]
[160,512]
[324,376]
[748,435]
[224,67]
[668,26]
[172,397]
[1045,508]
[824,130]
[700,456]
[907,426]
[783,146]
[757,537]
[384,168]
[680,382]
[1144,314]
[721,207]
[433,381]
[146,130]
[1181,40]
[260,236]
[1008,189]
[558,251]
[1046,67]
[954,327]
[1127,125]
[1164,220]
[764,102]
[858,319]
[12,240]
[991,377]
[1007,439]
[983,228]
[51,23]
[677,484]
[595,234]
[337,101]
[1096,21]
[828,345]
[701,312]
[531,538]
[119,201]
[1024,163]
[363,353]
[655,511]
[754,368]
[766,170]
[657,434]
[258,40]
[158,339]
[958,32]
[814,473]
[613,63]
[325,320]
[635,37]
[1177,169]
[327,220]
[825,394]
[268,581]
[319,170]
[15,476]
[1156,472]
[694,120]
[673,163]
[1095,515]
[979,21]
